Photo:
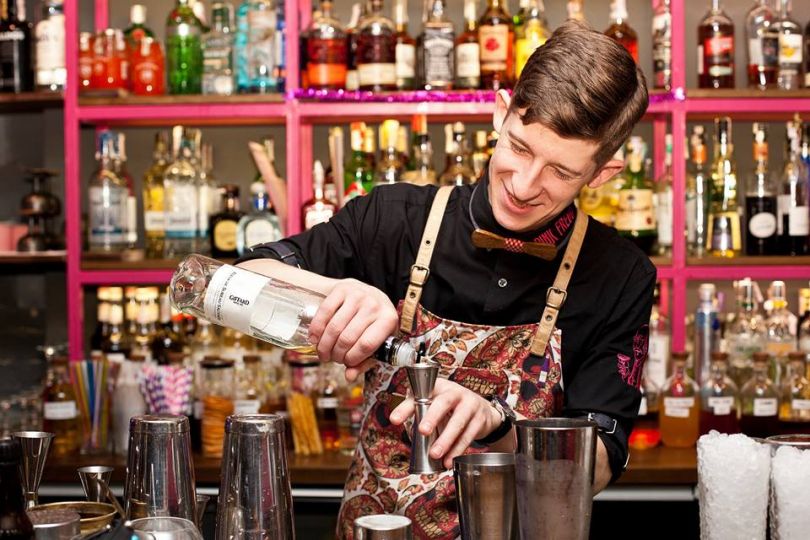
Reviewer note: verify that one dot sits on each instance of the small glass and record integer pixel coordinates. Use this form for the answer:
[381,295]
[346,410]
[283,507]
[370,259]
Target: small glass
[790,474]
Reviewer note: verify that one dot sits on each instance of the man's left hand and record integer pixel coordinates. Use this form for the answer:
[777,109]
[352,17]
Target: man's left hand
[465,415]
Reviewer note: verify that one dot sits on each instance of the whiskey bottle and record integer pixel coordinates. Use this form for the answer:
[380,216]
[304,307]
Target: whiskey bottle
[716,49]
[376,51]
[390,168]
[792,204]
[662,45]
[531,34]
[51,72]
[224,225]
[468,51]
[456,171]
[60,414]
[620,31]
[496,39]
[405,50]
[679,413]
[760,200]
[763,46]
[480,156]
[318,209]
[724,235]
[326,51]
[259,226]
[16,65]
[435,54]
[154,222]
[697,194]
[789,75]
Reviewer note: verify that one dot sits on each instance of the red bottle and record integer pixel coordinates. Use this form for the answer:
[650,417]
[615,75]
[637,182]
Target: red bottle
[716,49]
[147,69]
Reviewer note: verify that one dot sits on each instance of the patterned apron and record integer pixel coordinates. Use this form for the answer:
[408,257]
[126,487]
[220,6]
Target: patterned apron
[490,360]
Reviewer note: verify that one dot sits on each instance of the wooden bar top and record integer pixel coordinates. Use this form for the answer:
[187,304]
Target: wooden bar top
[657,466]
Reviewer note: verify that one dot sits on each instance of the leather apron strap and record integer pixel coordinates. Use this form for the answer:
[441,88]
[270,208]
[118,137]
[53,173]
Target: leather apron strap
[420,270]
[556,295]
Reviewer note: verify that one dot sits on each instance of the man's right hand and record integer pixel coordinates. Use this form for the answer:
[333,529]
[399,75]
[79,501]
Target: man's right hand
[351,324]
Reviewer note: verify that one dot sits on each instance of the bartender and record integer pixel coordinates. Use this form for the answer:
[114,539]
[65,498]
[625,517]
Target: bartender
[552,321]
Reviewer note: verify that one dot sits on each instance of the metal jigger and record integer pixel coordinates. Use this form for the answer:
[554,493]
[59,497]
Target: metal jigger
[422,376]
[92,476]
[35,446]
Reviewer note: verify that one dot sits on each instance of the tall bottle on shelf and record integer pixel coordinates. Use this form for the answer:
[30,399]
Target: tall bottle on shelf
[184,59]
[137,29]
[697,194]
[16,44]
[326,51]
[763,45]
[662,45]
[760,200]
[261,224]
[319,209]
[531,34]
[792,203]
[794,404]
[225,224]
[435,50]
[153,199]
[716,49]
[496,41]
[405,49]
[208,198]
[662,200]
[390,167]
[724,234]
[620,30]
[107,201]
[352,32]
[780,331]
[51,72]
[789,74]
[180,198]
[240,48]
[468,51]
[457,172]
[120,167]
[707,329]
[759,401]
[218,49]
[376,51]
[678,416]
[358,175]
[745,335]
[261,44]
[635,218]
[657,366]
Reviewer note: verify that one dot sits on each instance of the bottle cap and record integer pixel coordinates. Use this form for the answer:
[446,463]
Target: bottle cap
[137,14]
[797,356]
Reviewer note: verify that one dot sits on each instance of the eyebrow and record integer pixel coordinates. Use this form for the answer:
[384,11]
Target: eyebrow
[558,165]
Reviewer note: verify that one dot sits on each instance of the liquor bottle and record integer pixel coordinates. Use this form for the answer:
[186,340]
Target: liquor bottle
[376,51]
[456,171]
[167,339]
[789,74]
[480,156]
[326,406]
[405,49]
[240,48]
[218,47]
[184,59]
[780,330]
[198,8]
[759,401]
[102,321]
[724,235]
[118,344]
[496,40]
[261,225]
[224,225]
[390,168]
[208,194]
[468,51]
[137,29]
[130,310]
[16,44]
[646,434]
[662,45]
[716,49]
[50,47]
[204,342]
[760,200]
[635,219]
[792,204]
[532,33]
[620,31]
[358,176]
[249,394]
[107,200]
[763,46]
[435,54]
[85,60]
[262,24]
[352,31]
[804,321]
[419,127]
[14,522]
[794,404]
[746,333]
[60,414]
[656,368]
[707,326]
[678,416]
[520,15]
[697,194]
[602,202]
[318,209]
[267,309]
[350,416]
[369,147]
[326,51]
[719,399]
[145,322]
[575,10]
[662,201]
[147,67]
[131,216]
[280,48]
[424,173]
[154,219]
[180,207]
[807,56]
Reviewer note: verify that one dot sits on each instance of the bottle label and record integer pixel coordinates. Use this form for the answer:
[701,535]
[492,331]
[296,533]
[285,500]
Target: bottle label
[691,218]
[678,407]
[721,406]
[246,406]
[153,221]
[635,210]
[50,50]
[658,353]
[765,406]
[60,410]
[724,232]
[314,217]
[762,225]
[181,214]
[798,221]
[107,211]
[468,60]
[145,72]
[800,404]
[405,55]
[231,297]
[494,43]
[225,235]
[663,217]
[260,231]
[327,403]
[719,53]
[439,57]
[764,51]
[790,51]
[326,64]
[383,74]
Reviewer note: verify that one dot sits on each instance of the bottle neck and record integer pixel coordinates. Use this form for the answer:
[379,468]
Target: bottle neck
[260,202]
[231,203]
[760,371]
[715,5]
[679,370]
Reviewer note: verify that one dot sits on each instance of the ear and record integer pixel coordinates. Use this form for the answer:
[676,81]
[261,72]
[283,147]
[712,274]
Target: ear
[608,171]
[502,100]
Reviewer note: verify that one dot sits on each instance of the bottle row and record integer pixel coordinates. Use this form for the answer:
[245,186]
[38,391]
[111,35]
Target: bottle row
[32,56]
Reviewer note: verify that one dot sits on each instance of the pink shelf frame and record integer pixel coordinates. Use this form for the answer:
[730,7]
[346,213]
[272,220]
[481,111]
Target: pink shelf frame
[299,117]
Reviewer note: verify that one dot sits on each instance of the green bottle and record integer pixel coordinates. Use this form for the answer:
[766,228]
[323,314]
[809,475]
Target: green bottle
[184,59]
[635,219]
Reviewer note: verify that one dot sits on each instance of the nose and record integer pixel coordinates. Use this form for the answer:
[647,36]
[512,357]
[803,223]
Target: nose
[527,185]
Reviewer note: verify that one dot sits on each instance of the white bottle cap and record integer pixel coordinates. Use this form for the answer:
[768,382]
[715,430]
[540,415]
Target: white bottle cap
[137,14]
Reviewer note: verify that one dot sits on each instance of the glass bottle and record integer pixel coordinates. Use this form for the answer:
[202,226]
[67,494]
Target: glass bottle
[249,396]
[107,200]
[318,209]
[575,10]
[760,200]
[166,340]
[16,45]
[659,347]
[376,51]
[261,225]
[719,399]
[724,235]
[804,320]
[349,415]
[51,72]
[217,46]
[480,156]
[240,48]
[496,40]
[468,51]
[60,414]
[352,31]
[746,333]
[14,522]
[794,408]
[224,225]
[154,219]
[601,203]
[662,202]
[208,193]
[792,203]
[118,344]
[405,49]
[101,330]
[635,219]
[358,176]
[180,198]
[326,407]
[145,322]
[184,59]
[678,417]
[759,401]
[147,68]
[662,45]
[280,48]
[137,29]
[780,334]
[646,433]
[390,168]
[435,50]
[716,49]
[532,33]
[789,74]
[261,44]
[697,194]
[217,403]
[620,30]
[424,173]
[131,209]
[763,45]
[707,326]
[326,51]
[456,171]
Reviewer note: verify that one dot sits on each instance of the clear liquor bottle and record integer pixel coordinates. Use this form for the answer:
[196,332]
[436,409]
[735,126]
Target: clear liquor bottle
[240,48]
[759,401]
[261,224]
[153,211]
[376,51]
[131,216]
[468,51]
[435,50]
[746,333]
[327,52]
[662,45]
[319,209]
[792,202]
[496,41]
[719,399]
[16,44]
[531,34]
[620,30]
[262,24]
[780,330]
[657,368]
[208,198]
[706,329]
[107,201]
[405,50]
[390,168]
[724,232]
[423,173]
[697,194]
[760,200]
[218,49]
[456,171]
[716,49]
[794,408]
[789,75]
[184,59]
[678,417]
[51,72]
[763,46]
[180,198]
[662,200]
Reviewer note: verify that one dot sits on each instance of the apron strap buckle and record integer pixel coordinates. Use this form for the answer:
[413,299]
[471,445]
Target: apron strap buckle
[418,280]
[556,297]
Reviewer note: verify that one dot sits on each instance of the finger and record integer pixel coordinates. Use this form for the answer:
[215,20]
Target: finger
[402,412]
[350,335]
[352,373]
[337,323]
[463,442]
[443,404]
[368,343]
[462,416]
[325,312]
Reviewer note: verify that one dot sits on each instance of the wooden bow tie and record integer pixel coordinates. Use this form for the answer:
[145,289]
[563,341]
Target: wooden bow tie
[489,240]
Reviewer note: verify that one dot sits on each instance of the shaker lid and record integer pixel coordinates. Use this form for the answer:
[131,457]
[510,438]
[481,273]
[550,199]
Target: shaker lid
[158,423]
[254,424]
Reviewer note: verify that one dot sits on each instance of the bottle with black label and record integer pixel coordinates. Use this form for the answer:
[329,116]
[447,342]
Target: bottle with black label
[760,200]
[224,225]
[792,204]
[16,67]
[436,50]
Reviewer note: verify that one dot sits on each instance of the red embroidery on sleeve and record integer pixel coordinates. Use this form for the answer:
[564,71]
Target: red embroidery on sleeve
[630,369]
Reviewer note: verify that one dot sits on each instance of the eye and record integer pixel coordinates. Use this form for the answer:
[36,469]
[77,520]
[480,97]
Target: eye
[561,175]
[519,150]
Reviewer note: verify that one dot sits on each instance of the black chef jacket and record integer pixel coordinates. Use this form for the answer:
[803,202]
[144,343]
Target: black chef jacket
[604,321]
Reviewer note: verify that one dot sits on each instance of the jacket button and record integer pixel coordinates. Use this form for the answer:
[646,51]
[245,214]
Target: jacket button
[502,283]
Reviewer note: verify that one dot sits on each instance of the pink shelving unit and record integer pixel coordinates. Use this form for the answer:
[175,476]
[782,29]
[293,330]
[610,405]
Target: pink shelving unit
[667,112]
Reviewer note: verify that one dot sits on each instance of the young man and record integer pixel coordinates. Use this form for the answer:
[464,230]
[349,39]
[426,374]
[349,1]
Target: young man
[385,268]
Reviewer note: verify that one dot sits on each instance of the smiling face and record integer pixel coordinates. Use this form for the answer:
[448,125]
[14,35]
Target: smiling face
[535,174]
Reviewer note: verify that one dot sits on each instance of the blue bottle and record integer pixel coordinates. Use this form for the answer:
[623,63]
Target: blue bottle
[240,48]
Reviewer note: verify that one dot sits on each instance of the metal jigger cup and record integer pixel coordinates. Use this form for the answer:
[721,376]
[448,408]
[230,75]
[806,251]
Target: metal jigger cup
[91,477]
[382,527]
[422,377]
[35,446]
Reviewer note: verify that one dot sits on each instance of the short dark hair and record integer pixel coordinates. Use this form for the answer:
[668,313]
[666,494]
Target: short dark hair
[583,84]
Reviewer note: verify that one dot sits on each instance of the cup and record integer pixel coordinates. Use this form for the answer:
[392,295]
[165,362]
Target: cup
[255,500]
[35,446]
[485,491]
[164,528]
[790,476]
[554,471]
[382,527]
[50,524]
[91,476]
[160,472]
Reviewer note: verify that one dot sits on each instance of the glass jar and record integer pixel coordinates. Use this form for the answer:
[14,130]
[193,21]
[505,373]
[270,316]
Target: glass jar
[217,403]
[60,413]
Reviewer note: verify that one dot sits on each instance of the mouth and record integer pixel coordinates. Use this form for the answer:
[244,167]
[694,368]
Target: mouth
[514,205]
